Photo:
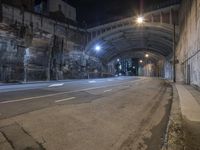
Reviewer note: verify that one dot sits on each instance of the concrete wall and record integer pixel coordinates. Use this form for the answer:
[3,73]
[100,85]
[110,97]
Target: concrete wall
[148,70]
[11,56]
[68,11]
[40,48]
[168,70]
[12,15]
[188,46]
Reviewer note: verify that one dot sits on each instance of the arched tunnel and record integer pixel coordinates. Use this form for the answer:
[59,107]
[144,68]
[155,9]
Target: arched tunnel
[131,83]
[138,49]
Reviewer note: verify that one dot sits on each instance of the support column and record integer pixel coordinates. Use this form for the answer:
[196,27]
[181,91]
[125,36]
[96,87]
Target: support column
[170,16]
[1,11]
[161,17]
[152,19]
[174,53]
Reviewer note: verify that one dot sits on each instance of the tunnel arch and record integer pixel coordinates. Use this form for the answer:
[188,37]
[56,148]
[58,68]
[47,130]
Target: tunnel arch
[154,37]
[138,53]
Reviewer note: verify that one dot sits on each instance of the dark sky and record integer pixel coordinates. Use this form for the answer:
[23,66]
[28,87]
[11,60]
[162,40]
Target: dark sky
[95,12]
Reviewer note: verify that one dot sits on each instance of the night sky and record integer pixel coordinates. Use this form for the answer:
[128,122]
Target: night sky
[95,12]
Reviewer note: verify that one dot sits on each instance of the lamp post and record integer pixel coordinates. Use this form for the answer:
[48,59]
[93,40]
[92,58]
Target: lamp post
[174,53]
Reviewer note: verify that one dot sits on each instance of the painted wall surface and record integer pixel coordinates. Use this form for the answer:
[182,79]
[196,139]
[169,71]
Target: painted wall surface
[188,46]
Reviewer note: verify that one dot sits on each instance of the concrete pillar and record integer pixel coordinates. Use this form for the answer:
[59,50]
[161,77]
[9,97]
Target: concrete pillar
[179,73]
[170,17]
[1,17]
[161,17]
[152,19]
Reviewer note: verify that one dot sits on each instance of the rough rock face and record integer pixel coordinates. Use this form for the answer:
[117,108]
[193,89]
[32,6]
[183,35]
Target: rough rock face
[11,55]
[47,57]
[38,48]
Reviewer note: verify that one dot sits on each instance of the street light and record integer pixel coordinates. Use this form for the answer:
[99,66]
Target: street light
[97,48]
[140,20]
[146,55]
[174,54]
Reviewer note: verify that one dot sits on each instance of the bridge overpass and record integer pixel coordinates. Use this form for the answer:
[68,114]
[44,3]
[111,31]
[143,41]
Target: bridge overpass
[113,113]
[69,51]
[155,34]
[126,38]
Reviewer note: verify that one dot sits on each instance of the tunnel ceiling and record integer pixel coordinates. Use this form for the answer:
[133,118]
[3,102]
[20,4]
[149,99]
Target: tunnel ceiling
[151,37]
[138,54]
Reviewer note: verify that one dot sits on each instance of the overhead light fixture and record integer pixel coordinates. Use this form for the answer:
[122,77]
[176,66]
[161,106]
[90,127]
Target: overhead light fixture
[97,48]
[146,55]
[120,67]
[140,20]
[141,61]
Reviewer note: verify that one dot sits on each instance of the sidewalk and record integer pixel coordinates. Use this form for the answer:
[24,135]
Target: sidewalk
[190,110]
[190,107]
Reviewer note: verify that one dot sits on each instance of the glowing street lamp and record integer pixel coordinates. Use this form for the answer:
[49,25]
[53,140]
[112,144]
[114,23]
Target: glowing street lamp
[97,48]
[140,20]
[146,55]
[120,67]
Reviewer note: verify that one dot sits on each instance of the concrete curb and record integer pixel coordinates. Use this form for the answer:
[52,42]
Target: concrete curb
[174,135]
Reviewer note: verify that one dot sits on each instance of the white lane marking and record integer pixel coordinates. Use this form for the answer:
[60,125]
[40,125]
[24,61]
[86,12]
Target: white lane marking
[107,90]
[49,95]
[56,85]
[92,81]
[66,99]
[110,79]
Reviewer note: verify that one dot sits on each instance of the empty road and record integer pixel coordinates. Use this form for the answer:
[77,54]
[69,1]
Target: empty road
[123,113]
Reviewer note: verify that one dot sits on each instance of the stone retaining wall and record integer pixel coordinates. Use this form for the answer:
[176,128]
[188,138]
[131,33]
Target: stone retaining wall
[188,46]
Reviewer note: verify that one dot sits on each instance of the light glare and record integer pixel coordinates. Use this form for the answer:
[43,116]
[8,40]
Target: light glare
[97,48]
[140,20]
[120,67]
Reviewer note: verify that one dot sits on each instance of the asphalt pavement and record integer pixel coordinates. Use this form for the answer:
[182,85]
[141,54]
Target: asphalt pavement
[102,114]
[23,98]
